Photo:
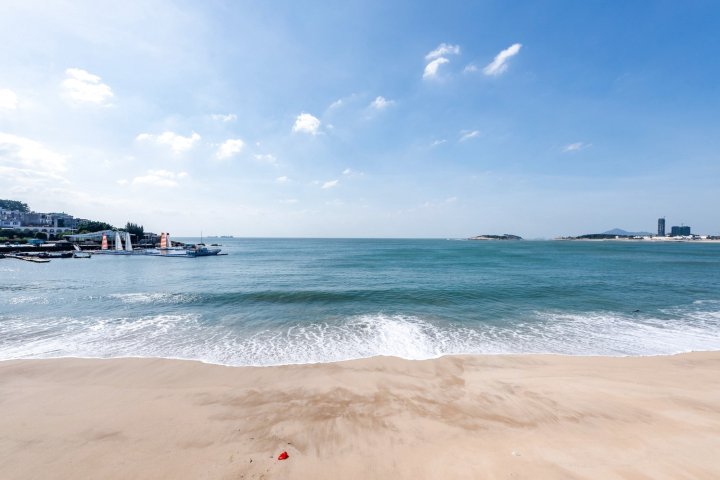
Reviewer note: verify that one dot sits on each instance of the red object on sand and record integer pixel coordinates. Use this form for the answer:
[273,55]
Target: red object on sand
[283,456]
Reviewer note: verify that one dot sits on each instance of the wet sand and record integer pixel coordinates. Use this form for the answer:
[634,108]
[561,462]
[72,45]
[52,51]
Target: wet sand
[489,417]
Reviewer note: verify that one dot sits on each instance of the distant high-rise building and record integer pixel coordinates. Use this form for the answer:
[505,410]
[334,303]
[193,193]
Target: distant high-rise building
[680,231]
[661,227]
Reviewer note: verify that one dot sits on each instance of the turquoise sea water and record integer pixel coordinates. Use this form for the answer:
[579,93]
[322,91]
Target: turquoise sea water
[280,301]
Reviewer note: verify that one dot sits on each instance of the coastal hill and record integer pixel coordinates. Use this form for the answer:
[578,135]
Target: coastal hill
[505,236]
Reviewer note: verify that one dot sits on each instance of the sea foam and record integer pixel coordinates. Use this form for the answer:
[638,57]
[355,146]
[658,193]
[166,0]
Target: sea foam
[189,336]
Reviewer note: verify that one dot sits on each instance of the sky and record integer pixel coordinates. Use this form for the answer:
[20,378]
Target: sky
[364,118]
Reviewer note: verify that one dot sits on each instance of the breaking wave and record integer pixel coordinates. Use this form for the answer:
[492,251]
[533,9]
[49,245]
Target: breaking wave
[695,327]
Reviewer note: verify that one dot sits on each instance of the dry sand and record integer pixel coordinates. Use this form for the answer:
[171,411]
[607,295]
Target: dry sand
[479,417]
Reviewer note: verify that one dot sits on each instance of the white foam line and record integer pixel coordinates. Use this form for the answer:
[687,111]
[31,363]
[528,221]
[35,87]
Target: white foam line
[189,337]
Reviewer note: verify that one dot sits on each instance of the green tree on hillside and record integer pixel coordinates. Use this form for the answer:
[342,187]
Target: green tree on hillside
[14,205]
[90,226]
[135,229]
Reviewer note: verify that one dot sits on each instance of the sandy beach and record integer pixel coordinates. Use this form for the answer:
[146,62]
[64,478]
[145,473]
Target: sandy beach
[491,417]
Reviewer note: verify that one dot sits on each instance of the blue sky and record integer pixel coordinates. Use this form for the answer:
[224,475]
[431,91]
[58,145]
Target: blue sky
[371,119]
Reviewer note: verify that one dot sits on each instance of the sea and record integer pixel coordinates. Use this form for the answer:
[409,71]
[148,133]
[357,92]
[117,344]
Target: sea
[297,301]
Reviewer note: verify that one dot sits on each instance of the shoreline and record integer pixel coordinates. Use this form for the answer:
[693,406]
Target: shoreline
[463,416]
[358,359]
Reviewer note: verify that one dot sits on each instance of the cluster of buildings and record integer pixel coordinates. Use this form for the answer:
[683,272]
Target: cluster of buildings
[60,223]
[50,223]
[675,231]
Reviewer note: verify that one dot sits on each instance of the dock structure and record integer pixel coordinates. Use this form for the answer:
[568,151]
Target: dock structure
[29,259]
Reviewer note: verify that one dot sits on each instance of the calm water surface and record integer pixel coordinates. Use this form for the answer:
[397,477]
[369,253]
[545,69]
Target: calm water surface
[280,301]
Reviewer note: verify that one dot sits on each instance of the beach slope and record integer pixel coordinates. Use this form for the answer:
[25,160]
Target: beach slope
[490,417]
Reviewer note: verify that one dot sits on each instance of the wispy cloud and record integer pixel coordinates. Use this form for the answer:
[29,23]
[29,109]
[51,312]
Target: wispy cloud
[468,134]
[330,184]
[442,50]
[431,69]
[348,172]
[230,117]
[576,147]
[230,148]
[26,161]
[8,99]
[176,142]
[283,179]
[438,142]
[438,57]
[470,68]
[306,123]
[265,158]
[81,86]
[381,103]
[499,63]
[336,104]
[160,178]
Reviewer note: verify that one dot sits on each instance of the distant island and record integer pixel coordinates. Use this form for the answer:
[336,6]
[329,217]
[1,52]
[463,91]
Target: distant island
[505,236]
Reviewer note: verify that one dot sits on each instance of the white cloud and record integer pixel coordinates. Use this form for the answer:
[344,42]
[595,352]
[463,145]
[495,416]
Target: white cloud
[122,181]
[23,153]
[176,142]
[330,184]
[439,57]
[28,166]
[431,68]
[8,99]
[438,142]
[283,179]
[470,68]
[443,50]
[306,123]
[289,201]
[381,103]
[265,158]
[336,104]
[230,117]
[467,135]
[160,178]
[348,172]
[499,64]
[576,147]
[229,148]
[81,86]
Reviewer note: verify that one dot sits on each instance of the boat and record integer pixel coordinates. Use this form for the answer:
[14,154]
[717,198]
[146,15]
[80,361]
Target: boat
[78,253]
[118,248]
[200,250]
[128,242]
[55,255]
